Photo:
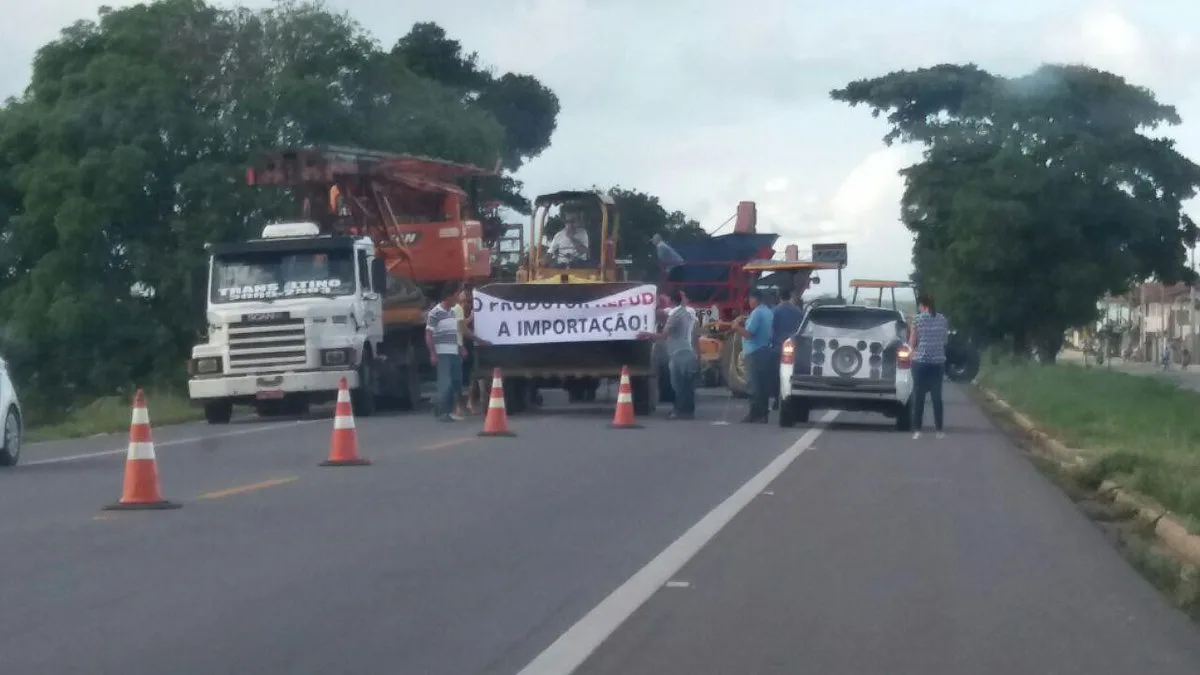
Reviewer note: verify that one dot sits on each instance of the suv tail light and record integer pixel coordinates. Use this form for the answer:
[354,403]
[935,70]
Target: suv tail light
[787,354]
[904,357]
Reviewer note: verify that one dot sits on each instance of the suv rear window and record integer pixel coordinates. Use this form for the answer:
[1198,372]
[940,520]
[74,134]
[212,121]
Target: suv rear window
[852,319]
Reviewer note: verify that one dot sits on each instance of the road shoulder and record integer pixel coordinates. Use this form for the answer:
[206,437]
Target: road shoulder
[874,553]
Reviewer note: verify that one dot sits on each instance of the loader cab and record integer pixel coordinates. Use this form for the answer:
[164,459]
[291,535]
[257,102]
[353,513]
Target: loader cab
[575,235]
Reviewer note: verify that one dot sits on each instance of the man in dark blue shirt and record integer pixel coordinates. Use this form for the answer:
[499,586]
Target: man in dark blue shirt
[785,321]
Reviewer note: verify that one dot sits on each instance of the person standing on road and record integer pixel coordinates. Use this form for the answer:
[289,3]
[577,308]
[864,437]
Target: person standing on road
[679,338]
[462,312]
[927,338]
[441,337]
[785,321]
[756,340]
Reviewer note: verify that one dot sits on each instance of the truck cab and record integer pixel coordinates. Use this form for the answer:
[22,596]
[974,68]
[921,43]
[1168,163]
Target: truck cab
[289,315]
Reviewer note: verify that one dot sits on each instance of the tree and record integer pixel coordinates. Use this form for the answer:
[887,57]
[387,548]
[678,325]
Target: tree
[126,154]
[1036,195]
[524,107]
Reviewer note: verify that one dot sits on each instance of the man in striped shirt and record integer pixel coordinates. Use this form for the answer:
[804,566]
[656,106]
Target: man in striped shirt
[927,338]
[442,328]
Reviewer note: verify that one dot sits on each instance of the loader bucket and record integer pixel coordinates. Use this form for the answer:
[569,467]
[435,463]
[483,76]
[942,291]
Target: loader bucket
[545,354]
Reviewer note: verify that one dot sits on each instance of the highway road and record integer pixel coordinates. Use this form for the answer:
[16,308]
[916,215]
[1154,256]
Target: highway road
[684,548]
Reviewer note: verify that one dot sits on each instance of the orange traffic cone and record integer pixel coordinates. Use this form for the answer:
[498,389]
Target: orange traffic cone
[141,469]
[496,422]
[343,447]
[624,417]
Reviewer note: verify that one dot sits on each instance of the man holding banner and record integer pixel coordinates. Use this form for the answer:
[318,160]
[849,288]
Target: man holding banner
[679,338]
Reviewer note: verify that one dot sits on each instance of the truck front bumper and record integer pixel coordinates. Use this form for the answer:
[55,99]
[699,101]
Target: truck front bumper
[250,387]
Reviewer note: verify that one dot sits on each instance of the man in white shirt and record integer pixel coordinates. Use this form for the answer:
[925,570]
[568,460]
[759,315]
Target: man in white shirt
[570,245]
[680,340]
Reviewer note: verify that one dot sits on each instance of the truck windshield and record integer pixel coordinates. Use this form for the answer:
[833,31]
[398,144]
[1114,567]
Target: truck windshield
[270,275]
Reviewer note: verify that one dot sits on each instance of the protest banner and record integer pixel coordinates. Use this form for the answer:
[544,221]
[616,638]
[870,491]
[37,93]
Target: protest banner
[615,312]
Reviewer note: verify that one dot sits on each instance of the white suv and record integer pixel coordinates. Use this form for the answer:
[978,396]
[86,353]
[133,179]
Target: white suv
[14,424]
[847,357]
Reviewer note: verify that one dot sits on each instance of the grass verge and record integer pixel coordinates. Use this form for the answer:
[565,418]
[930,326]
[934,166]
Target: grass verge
[111,414]
[1178,581]
[1138,431]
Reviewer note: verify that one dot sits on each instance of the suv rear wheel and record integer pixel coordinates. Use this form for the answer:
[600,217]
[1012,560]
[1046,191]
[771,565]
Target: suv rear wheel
[10,452]
[793,410]
[904,416]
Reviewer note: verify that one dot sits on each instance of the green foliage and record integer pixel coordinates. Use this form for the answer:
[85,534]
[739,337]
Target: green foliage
[1137,430]
[1036,195]
[642,217]
[110,414]
[524,107]
[126,154]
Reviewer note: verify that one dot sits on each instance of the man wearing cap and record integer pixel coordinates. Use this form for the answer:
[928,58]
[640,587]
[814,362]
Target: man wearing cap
[756,341]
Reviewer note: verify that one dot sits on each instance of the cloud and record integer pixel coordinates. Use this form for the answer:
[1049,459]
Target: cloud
[706,102]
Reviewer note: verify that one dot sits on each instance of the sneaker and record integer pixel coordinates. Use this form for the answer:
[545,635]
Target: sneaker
[916,435]
[940,434]
[455,417]
[446,418]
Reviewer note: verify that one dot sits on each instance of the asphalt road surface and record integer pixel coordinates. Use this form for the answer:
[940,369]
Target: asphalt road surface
[684,548]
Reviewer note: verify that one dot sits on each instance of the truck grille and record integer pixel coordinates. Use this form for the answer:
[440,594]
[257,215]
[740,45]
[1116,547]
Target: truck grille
[273,346]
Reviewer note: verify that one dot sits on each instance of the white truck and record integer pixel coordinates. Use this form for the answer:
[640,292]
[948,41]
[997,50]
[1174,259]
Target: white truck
[289,315]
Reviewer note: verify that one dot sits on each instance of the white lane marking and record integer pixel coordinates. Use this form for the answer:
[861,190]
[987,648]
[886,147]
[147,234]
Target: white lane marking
[678,584]
[573,647]
[164,444]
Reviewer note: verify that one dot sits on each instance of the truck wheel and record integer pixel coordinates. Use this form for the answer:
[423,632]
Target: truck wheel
[410,381]
[516,395]
[645,393]
[362,399]
[733,365]
[218,412]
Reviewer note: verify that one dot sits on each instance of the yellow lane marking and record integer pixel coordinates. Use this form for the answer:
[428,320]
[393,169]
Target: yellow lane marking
[448,444]
[248,488]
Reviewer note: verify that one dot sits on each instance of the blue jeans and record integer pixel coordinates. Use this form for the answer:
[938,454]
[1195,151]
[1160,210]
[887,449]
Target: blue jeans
[683,367]
[927,379]
[759,380]
[449,383]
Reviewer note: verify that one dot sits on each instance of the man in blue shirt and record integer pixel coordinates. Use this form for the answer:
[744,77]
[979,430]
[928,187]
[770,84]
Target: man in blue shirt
[786,318]
[756,350]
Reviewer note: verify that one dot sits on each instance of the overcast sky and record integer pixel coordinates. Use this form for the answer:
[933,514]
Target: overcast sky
[708,102]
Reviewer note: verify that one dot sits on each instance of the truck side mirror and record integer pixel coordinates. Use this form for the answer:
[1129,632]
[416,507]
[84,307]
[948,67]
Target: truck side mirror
[378,275]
